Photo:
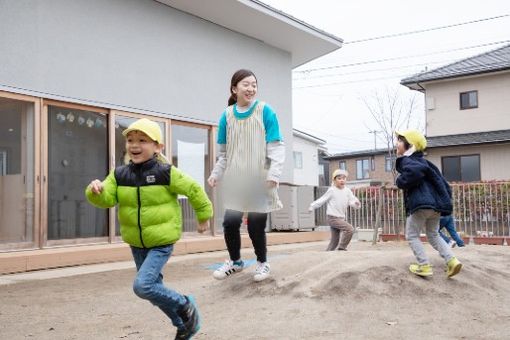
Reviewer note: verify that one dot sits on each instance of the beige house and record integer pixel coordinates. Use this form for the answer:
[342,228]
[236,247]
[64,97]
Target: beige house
[468,117]
[367,167]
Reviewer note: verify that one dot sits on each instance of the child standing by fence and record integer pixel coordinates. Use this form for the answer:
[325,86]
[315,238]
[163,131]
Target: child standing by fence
[427,196]
[150,218]
[338,198]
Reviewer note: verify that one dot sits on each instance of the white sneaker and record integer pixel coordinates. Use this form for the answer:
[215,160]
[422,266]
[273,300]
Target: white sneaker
[228,268]
[452,244]
[262,271]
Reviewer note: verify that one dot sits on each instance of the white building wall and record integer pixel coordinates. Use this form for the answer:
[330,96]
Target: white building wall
[309,173]
[138,54]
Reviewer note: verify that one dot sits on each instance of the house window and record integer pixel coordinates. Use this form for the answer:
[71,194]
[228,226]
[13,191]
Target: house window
[468,100]
[362,168]
[298,160]
[389,163]
[461,168]
[372,163]
[342,165]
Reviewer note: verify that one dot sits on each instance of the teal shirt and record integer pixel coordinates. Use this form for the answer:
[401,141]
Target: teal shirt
[270,123]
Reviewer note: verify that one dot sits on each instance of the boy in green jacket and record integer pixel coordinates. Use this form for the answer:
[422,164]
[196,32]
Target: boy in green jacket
[150,217]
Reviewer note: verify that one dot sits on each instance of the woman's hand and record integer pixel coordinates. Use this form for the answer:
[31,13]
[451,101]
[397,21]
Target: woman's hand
[271,184]
[212,182]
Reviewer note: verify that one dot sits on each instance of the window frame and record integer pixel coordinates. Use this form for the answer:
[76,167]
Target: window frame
[469,106]
[363,170]
[459,158]
[294,154]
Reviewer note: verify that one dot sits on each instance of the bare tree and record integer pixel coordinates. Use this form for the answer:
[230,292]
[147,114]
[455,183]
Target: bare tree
[391,110]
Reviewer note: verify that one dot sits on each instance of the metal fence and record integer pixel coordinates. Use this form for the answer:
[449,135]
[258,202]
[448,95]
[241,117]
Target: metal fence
[480,209]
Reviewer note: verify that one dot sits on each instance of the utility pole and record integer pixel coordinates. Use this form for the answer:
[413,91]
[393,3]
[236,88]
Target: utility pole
[375,132]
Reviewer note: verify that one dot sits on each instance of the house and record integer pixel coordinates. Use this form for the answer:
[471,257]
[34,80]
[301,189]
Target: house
[75,73]
[468,118]
[305,153]
[365,168]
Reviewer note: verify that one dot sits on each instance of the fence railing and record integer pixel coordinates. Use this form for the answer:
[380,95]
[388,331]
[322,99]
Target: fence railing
[480,209]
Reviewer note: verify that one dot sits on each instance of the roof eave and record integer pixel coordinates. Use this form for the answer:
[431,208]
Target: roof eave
[303,41]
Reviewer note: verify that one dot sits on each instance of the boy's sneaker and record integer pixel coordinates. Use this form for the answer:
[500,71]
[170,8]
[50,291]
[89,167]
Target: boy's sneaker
[190,318]
[421,269]
[452,244]
[228,268]
[453,267]
[262,271]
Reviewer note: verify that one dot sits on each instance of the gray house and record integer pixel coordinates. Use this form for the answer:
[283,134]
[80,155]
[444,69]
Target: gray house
[74,74]
[467,114]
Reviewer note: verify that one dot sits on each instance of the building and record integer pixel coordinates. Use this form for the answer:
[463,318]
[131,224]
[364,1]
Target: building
[365,167]
[305,152]
[467,114]
[75,73]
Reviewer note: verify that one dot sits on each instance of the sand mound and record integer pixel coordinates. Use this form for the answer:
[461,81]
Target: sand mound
[364,293]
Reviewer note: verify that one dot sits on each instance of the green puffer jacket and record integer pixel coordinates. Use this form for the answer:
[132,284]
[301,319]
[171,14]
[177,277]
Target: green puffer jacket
[149,212]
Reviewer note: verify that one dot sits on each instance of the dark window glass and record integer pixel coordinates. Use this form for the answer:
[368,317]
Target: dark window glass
[470,168]
[389,162]
[17,182]
[469,100]
[77,154]
[462,168]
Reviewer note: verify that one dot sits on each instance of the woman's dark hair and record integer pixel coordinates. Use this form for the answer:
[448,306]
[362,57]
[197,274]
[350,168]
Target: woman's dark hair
[236,78]
[404,140]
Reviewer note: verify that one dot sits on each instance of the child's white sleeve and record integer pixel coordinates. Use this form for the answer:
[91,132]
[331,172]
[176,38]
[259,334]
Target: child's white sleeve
[321,200]
[275,151]
[221,163]
[354,201]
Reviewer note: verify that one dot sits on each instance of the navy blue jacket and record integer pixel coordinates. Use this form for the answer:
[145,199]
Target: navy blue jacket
[423,184]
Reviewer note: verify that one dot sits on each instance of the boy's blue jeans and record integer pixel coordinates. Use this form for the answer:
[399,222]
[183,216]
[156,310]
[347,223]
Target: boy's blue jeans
[449,224]
[426,219]
[149,285]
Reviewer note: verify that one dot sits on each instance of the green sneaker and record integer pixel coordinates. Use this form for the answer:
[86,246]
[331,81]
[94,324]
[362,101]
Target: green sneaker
[421,269]
[453,267]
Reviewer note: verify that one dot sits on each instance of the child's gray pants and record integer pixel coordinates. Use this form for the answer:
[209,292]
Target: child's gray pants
[429,220]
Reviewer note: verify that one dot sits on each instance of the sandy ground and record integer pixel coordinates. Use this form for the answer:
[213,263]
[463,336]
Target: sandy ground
[364,293]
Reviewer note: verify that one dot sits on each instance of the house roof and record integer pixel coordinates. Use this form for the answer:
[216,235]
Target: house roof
[260,21]
[354,154]
[492,61]
[307,136]
[469,139]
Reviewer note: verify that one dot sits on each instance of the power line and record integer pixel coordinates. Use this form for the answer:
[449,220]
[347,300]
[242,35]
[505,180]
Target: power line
[394,35]
[401,57]
[487,66]
[304,78]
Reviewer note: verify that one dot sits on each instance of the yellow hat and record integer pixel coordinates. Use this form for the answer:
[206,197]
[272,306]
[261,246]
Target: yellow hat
[146,126]
[414,138]
[339,172]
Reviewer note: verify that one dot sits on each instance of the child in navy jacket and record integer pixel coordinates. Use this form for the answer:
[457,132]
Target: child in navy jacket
[427,197]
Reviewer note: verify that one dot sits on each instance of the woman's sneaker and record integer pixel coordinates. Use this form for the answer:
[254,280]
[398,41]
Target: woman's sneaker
[190,318]
[228,268]
[262,271]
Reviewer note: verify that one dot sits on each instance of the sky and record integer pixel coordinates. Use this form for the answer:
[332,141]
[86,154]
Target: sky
[329,93]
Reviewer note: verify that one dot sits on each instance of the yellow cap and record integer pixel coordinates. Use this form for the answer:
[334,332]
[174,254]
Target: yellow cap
[414,138]
[339,172]
[146,126]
